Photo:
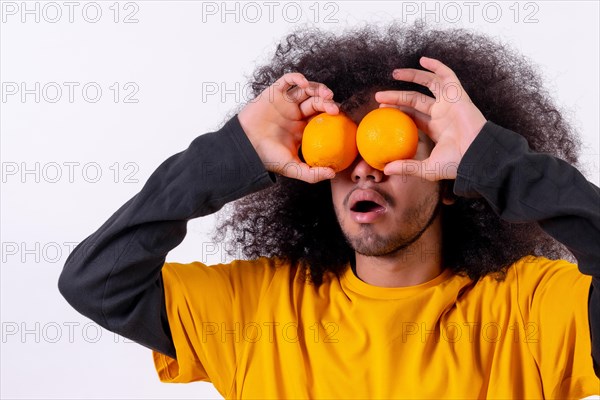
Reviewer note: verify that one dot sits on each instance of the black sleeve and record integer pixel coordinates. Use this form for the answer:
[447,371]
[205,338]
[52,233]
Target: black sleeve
[114,275]
[523,186]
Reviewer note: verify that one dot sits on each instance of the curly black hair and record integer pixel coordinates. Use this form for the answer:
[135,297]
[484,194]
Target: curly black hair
[295,221]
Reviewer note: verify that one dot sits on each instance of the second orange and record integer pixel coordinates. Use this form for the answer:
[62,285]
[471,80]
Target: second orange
[386,134]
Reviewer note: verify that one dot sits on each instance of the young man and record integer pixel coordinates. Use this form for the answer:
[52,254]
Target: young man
[430,279]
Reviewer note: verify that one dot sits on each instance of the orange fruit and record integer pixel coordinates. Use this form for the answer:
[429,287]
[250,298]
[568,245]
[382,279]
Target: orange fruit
[330,141]
[386,134]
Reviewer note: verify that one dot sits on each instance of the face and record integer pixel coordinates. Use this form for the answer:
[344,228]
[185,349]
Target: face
[381,215]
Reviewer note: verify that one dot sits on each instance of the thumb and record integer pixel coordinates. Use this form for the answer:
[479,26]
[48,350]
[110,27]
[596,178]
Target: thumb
[426,169]
[405,167]
[297,169]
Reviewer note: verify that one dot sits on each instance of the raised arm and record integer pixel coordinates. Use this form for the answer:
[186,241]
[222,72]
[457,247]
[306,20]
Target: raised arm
[495,163]
[524,186]
[114,275]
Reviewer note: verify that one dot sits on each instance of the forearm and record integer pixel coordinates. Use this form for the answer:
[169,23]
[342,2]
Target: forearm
[523,186]
[113,276]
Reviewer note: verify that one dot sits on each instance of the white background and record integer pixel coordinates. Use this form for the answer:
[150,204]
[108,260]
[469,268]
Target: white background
[174,56]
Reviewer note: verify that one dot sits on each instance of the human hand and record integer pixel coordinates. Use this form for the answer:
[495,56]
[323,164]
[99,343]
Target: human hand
[275,121]
[450,119]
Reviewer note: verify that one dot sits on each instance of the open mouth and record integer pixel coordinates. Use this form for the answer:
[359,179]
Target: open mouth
[364,206]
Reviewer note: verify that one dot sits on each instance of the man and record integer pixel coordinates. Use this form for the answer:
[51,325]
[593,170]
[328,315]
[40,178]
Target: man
[446,290]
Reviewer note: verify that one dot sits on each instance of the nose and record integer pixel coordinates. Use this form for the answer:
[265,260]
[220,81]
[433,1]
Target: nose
[361,171]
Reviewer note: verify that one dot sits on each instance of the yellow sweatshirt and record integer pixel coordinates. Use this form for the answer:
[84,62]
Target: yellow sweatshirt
[258,330]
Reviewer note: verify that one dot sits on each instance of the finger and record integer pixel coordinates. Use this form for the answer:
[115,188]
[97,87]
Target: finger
[439,72]
[290,80]
[318,174]
[298,94]
[405,167]
[437,67]
[423,78]
[332,109]
[314,105]
[413,99]
[319,90]
[302,171]
[421,169]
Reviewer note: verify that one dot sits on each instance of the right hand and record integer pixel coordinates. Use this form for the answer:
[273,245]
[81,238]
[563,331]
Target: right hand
[274,123]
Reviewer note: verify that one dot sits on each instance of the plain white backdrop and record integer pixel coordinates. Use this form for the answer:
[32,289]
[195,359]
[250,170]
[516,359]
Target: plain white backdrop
[95,95]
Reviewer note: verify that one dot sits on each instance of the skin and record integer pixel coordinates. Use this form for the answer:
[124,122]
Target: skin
[403,246]
[408,233]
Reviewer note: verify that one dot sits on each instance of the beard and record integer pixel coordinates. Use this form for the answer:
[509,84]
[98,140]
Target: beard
[415,221]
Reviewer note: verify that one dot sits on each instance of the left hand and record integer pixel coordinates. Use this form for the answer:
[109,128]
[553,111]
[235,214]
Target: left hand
[450,119]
